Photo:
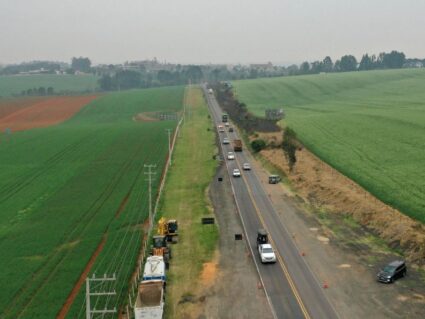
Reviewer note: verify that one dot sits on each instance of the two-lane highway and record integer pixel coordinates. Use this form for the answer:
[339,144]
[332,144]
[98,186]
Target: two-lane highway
[291,288]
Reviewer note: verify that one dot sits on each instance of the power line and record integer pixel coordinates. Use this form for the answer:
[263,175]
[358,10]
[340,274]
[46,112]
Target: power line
[89,311]
[150,173]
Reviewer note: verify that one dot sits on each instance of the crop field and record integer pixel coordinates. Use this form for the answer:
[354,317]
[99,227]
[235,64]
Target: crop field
[15,84]
[76,190]
[368,125]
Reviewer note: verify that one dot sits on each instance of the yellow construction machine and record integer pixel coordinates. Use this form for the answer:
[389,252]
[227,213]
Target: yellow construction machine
[169,229]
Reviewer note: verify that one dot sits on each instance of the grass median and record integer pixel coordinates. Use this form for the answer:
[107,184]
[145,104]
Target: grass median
[185,199]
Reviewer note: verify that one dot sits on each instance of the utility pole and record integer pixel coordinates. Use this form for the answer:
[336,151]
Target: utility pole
[150,173]
[89,311]
[169,145]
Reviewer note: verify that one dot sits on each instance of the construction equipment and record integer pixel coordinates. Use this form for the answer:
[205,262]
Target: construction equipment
[160,248]
[169,228]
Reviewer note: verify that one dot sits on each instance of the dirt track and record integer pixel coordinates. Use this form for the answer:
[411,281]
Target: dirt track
[41,113]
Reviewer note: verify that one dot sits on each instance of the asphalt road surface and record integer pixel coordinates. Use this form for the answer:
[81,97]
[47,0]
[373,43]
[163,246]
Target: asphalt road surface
[291,288]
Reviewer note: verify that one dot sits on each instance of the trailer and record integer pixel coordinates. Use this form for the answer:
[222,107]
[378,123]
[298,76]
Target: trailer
[150,300]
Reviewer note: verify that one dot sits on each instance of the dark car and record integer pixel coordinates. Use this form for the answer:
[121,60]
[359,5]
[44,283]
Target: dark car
[392,271]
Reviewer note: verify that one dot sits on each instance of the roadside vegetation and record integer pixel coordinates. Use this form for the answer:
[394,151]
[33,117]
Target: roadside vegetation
[185,199]
[368,125]
[69,189]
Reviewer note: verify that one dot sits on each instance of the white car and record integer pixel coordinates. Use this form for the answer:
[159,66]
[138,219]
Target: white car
[267,254]
[246,166]
[230,156]
[221,128]
[226,140]
[236,172]
[226,124]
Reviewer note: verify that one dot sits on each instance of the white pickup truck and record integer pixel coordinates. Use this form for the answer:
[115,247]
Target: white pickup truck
[267,254]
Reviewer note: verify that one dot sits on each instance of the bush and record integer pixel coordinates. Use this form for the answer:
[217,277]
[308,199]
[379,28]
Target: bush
[258,144]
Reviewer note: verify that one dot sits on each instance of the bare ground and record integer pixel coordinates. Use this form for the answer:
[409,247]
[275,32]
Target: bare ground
[235,291]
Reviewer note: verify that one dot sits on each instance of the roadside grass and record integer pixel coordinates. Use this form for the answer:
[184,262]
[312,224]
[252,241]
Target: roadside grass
[60,190]
[15,84]
[185,199]
[368,125]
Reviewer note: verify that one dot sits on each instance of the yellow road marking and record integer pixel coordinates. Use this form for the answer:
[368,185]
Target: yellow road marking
[280,259]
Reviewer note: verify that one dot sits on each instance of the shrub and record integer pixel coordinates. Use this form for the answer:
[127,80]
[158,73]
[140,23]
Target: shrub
[258,144]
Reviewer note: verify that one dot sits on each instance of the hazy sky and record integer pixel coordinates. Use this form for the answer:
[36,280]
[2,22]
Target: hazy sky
[203,31]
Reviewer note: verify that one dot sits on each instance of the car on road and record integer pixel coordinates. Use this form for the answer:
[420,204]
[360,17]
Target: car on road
[221,128]
[236,172]
[226,124]
[246,167]
[394,270]
[226,140]
[230,156]
[230,129]
[267,254]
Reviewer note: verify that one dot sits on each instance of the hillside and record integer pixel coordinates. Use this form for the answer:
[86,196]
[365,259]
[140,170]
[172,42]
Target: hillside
[368,125]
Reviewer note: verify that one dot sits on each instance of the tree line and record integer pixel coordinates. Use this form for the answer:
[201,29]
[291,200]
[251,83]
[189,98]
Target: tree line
[347,63]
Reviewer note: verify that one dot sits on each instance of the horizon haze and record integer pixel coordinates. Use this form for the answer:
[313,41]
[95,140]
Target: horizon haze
[201,32]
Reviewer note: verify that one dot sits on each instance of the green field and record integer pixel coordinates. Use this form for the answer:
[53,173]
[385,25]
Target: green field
[15,84]
[61,189]
[368,125]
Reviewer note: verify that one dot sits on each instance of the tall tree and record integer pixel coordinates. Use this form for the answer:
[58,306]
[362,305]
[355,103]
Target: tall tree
[366,63]
[304,67]
[327,64]
[394,60]
[81,64]
[348,63]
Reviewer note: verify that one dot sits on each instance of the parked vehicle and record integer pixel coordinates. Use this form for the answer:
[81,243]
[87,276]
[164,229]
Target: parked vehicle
[226,140]
[237,145]
[274,179]
[246,166]
[267,254]
[154,268]
[160,248]
[169,228]
[230,156]
[236,172]
[394,270]
[150,300]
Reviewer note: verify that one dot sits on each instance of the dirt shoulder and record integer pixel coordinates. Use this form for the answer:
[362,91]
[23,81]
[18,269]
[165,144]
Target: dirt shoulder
[236,291]
[344,255]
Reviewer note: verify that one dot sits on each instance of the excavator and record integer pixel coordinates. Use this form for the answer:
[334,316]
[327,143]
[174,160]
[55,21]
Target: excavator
[169,228]
[167,231]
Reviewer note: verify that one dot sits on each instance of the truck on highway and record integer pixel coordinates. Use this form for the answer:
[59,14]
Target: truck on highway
[150,300]
[237,145]
[154,268]
[224,118]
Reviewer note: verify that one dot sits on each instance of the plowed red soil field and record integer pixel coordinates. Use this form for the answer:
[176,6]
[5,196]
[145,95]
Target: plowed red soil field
[33,113]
